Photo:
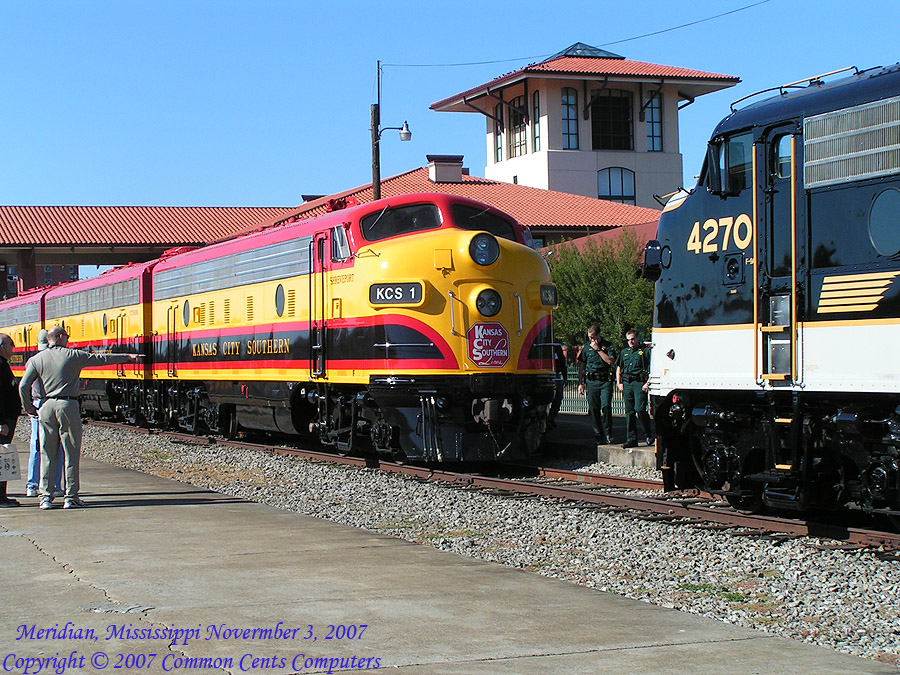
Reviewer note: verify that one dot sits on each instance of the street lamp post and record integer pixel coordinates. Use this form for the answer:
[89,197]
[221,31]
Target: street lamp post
[377,130]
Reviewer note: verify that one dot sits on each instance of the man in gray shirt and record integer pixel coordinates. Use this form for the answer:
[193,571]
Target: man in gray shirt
[58,368]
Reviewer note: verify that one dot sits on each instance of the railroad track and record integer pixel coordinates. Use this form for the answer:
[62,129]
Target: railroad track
[692,509]
[582,477]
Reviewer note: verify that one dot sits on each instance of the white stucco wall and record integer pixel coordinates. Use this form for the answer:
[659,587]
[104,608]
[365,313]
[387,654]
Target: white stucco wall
[575,171]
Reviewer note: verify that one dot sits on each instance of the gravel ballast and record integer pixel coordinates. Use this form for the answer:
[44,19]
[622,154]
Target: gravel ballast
[802,588]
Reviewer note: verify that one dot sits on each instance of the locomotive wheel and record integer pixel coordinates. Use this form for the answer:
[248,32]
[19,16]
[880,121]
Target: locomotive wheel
[752,503]
[229,426]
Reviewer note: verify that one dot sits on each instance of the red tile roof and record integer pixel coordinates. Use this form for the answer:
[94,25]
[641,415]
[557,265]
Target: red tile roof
[626,67]
[126,225]
[642,233]
[532,207]
[562,65]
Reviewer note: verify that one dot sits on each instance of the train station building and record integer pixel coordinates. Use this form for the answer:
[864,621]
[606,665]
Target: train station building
[588,122]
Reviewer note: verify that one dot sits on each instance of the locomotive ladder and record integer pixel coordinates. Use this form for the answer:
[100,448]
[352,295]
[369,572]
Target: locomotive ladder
[777,332]
[775,314]
[317,321]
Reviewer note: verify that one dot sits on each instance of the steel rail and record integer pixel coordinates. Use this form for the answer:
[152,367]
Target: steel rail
[626,482]
[675,509]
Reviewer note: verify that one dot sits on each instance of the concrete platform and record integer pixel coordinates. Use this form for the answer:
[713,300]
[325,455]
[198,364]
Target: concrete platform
[151,554]
[574,437]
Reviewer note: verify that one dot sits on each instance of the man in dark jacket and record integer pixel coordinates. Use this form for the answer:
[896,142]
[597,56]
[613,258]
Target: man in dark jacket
[594,372]
[633,380]
[10,406]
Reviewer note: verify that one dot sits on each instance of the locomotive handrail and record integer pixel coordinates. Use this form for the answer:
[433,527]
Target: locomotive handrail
[794,297]
[662,200]
[519,299]
[780,89]
[799,84]
[389,345]
[452,314]
[818,78]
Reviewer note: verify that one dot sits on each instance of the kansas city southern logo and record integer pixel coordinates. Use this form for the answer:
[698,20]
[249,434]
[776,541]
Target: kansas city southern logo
[488,345]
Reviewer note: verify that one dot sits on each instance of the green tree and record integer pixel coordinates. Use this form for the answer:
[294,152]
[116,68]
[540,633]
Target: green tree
[599,283]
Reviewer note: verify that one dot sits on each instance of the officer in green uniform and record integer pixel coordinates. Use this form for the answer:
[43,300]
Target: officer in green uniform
[633,380]
[594,370]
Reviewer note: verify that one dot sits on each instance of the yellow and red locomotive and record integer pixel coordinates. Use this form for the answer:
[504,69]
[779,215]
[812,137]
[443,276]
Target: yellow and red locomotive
[416,325]
[775,376]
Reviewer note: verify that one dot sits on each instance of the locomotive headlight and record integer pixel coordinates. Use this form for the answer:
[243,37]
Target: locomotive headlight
[488,302]
[484,249]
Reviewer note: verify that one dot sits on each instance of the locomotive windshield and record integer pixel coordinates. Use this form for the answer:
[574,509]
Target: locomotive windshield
[389,222]
[472,218]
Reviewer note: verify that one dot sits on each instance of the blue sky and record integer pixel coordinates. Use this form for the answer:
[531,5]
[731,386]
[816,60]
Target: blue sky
[253,103]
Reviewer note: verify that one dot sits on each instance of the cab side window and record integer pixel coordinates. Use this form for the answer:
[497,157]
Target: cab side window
[782,160]
[729,165]
[340,246]
[739,156]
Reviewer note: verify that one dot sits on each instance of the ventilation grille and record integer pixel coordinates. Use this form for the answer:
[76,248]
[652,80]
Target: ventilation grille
[291,303]
[852,144]
[212,313]
[226,310]
[250,308]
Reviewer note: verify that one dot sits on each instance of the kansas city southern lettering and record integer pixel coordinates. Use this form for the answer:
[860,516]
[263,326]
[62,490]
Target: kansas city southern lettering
[251,347]
[205,349]
[273,346]
[231,348]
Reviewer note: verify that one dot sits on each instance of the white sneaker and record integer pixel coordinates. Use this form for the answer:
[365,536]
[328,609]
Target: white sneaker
[31,492]
[46,503]
[74,503]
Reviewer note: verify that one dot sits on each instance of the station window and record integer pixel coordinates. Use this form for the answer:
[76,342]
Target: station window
[612,120]
[570,118]
[653,117]
[616,185]
[498,133]
[516,132]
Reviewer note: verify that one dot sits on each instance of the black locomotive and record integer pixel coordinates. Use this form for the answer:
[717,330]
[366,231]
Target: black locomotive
[776,373]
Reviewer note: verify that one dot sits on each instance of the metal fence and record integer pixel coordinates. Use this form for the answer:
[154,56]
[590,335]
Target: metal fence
[573,403]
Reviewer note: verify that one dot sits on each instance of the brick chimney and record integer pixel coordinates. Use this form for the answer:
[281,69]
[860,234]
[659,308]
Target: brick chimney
[445,168]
